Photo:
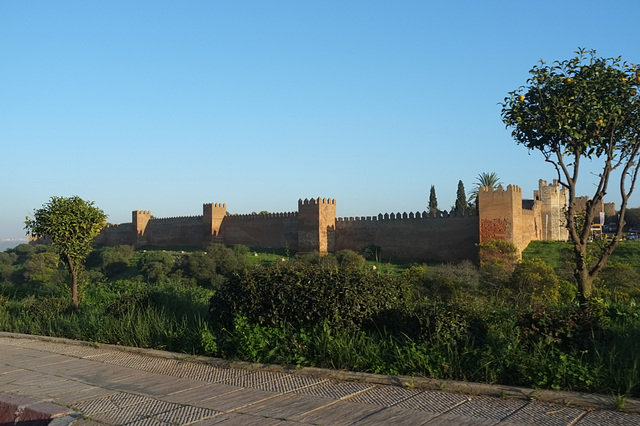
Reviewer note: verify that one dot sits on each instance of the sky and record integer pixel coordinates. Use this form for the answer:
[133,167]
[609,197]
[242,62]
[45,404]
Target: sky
[165,105]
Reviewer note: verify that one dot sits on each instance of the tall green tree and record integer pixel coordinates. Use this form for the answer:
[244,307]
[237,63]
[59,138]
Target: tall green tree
[71,224]
[461,198]
[433,201]
[586,108]
[484,180]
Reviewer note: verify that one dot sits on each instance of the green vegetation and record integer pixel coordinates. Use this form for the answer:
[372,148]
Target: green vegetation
[433,201]
[502,321]
[483,180]
[71,224]
[583,109]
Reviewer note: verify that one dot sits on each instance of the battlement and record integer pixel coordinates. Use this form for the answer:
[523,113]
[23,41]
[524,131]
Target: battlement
[316,201]
[515,189]
[176,219]
[117,225]
[215,205]
[407,216]
[254,216]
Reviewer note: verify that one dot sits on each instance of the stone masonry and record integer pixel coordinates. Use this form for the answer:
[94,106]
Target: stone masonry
[502,214]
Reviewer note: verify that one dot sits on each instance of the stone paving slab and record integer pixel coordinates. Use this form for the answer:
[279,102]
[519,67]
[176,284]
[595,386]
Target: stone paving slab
[112,386]
[339,413]
[288,406]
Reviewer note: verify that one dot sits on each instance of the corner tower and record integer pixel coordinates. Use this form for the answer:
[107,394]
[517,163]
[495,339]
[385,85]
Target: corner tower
[500,214]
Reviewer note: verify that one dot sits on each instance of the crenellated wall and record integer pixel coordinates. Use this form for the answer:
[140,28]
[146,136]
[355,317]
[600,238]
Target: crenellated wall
[412,236]
[502,214]
[262,230]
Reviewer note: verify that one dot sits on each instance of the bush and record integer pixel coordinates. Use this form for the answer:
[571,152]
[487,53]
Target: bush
[451,281]
[619,281]
[569,327]
[349,259]
[497,261]
[303,295]
[214,266]
[534,281]
[114,260]
[40,267]
[156,265]
[8,258]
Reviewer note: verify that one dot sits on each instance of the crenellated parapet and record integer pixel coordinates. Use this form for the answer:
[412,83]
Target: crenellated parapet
[175,220]
[316,201]
[407,216]
[260,216]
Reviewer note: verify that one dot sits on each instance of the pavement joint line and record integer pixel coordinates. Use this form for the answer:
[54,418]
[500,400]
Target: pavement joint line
[514,413]
[455,406]
[583,400]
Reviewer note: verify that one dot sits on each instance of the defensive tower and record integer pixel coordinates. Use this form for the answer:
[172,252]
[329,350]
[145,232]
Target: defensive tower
[316,223]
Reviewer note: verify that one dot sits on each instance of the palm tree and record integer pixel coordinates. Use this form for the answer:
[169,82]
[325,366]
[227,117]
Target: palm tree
[484,180]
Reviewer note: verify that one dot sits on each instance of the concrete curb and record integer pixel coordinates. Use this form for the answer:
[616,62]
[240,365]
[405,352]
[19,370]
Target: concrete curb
[576,399]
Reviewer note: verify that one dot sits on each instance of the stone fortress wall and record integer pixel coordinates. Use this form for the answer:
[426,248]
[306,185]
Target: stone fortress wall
[501,214]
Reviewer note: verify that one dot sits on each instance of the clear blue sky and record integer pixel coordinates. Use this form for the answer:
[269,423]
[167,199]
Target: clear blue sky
[166,105]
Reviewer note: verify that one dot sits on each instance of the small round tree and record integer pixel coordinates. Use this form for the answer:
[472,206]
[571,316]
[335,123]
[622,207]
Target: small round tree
[582,109]
[71,224]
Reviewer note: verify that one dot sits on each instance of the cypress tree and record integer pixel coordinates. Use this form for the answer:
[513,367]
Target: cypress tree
[433,201]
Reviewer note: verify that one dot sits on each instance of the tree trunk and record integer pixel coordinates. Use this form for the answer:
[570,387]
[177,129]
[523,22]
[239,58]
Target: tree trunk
[74,283]
[584,279]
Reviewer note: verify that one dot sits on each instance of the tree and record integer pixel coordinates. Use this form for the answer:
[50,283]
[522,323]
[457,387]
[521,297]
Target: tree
[461,199]
[433,201]
[71,224]
[484,180]
[584,108]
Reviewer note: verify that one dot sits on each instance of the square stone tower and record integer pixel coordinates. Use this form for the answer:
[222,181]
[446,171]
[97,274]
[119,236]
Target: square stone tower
[500,214]
[316,223]
[140,220]
[212,216]
[553,206]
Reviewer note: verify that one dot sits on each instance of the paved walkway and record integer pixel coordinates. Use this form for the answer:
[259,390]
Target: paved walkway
[119,386]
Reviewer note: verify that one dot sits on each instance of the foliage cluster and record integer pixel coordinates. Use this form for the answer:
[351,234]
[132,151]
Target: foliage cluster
[336,311]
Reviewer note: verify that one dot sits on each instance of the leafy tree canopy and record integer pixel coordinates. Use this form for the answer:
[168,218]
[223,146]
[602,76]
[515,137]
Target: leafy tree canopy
[71,224]
[583,108]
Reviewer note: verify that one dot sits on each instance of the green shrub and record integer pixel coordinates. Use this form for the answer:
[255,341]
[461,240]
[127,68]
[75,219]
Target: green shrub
[534,281]
[349,259]
[451,281]
[156,265]
[23,251]
[213,267]
[568,327]
[304,294]
[498,259]
[40,267]
[115,260]
[619,281]
[8,258]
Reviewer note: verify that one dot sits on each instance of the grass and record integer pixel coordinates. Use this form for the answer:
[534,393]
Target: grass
[472,337]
